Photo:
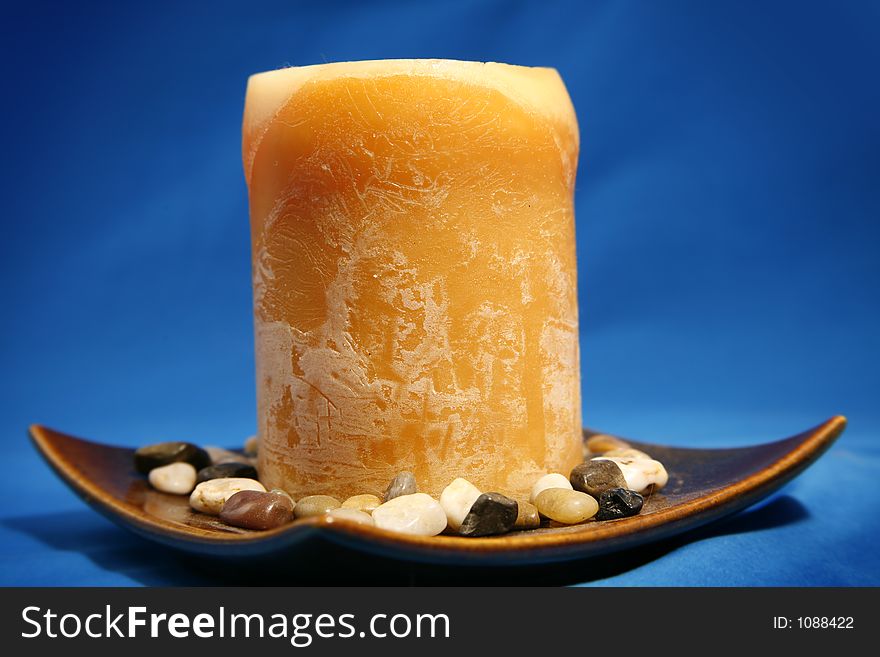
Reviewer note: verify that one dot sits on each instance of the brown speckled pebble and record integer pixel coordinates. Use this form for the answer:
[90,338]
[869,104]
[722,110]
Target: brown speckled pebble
[594,477]
[279,491]
[315,505]
[253,509]
[403,483]
[527,516]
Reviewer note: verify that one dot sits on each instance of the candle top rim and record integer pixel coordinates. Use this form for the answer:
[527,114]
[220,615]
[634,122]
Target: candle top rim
[395,66]
[539,89]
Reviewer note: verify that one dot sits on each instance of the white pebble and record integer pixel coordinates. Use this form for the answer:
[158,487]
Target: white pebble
[176,478]
[639,473]
[552,480]
[418,514]
[252,445]
[210,496]
[354,515]
[457,499]
[628,453]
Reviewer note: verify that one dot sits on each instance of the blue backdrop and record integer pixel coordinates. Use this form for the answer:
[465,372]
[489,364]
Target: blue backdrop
[728,212]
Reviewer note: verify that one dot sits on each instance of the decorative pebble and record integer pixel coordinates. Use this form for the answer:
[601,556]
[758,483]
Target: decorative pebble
[418,514]
[490,514]
[315,505]
[457,499]
[220,455]
[252,445]
[366,503]
[601,443]
[254,509]
[210,496]
[593,477]
[224,470]
[566,506]
[628,453]
[553,480]
[347,513]
[403,483]
[639,473]
[279,491]
[176,478]
[619,503]
[155,456]
[527,516]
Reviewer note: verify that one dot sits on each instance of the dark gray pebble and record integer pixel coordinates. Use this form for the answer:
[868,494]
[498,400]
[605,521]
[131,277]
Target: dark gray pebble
[153,456]
[403,484]
[619,503]
[226,470]
[594,477]
[491,513]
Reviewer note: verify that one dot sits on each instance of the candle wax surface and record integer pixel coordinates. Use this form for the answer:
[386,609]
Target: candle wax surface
[415,283]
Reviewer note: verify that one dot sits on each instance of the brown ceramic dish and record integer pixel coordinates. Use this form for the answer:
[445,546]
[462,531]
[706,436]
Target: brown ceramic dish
[704,485]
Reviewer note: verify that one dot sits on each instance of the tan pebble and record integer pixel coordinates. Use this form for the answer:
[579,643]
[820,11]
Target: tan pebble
[601,443]
[552,480]
[566,506]
[174,478]
[354,515]
[219,455]
[366,502]
[252,445]
[527,517]
[210,496]
[315,505]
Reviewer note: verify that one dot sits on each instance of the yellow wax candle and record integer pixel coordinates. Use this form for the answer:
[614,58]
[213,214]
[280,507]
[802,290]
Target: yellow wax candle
[415,283]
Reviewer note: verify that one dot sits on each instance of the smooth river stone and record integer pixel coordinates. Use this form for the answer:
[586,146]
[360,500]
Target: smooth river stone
[366,503]
[457,499]
[210,496]
[490,514]
[226,470]
[220,455]
[527,516]
[253,509]
[354,515]
[566,506]
[628,453]
[619,503]
[593,477]
[404,483]
[639,473]
[279,491]
[601,443]
[552,480]
[418,514]
[154,456]
[174,478]
[315,505]
[252,445]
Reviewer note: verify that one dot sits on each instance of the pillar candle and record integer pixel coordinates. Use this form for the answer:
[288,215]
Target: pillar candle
[414,274]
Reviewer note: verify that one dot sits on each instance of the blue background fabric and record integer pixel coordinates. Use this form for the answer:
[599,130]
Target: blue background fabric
[728,216]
